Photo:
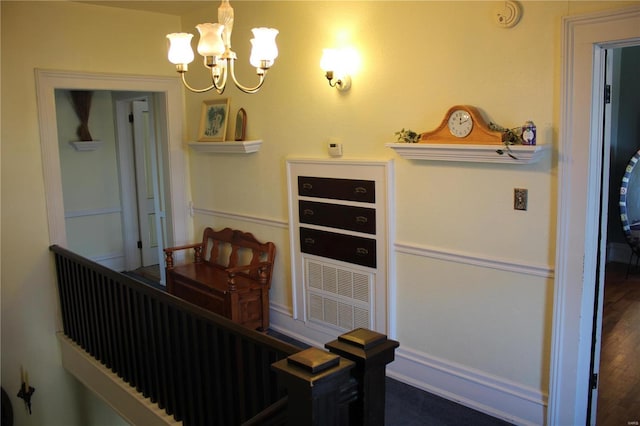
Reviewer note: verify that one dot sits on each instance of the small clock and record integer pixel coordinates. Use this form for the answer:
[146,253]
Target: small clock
[463,124]
[460,123]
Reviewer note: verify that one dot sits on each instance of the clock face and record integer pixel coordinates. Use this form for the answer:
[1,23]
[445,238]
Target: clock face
[460,123]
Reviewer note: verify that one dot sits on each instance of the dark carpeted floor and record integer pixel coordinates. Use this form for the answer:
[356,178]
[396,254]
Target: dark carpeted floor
[410,406]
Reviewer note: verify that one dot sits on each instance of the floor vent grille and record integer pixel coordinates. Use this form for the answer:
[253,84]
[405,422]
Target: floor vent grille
[338,296]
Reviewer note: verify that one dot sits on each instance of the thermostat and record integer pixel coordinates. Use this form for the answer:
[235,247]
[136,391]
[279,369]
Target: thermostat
[335,149]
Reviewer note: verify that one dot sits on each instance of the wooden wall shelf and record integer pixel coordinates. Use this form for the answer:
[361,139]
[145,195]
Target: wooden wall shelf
[227,147]
[525,154]
[86,145]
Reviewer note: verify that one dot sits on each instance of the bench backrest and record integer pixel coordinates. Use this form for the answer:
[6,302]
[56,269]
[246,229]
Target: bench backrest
[230,248]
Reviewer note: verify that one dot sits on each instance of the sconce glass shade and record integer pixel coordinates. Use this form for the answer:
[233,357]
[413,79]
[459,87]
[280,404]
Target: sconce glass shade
[329,60]
[264,47]
[180,51]
[333,63]
[210,43]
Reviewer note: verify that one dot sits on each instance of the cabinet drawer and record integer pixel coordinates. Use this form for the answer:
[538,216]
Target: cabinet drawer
[360,219]
[337,189]
[347,248]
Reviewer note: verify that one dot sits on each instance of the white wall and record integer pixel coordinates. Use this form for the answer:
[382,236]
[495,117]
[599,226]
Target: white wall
[460,326]
[90,182]
[474,277]
[57,36]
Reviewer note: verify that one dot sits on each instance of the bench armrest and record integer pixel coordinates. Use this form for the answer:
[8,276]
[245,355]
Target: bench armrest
[184,247]
[262,268]
[168,253]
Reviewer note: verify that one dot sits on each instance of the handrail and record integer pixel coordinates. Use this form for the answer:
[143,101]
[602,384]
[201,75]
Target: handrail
[273,415]
[201,368]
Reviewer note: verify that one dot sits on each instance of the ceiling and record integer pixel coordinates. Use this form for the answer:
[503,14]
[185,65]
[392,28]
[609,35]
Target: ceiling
[170,7]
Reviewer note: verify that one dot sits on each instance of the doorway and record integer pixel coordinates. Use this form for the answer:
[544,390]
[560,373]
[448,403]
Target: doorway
[618,332]
[112,186]
[179,229]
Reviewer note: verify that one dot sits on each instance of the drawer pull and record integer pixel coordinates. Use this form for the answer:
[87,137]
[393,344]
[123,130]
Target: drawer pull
[307,186]
[360,190]
[307,212]
[309,240]
[361,251]
[361,219]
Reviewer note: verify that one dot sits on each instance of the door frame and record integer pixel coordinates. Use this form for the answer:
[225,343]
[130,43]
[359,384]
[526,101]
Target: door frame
[180,229]
[579,162]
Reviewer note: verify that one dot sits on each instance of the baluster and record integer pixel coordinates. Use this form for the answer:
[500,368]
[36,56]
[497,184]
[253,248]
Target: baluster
[141,354]
[190,368]
[106,322]
[179,366]
[75,307]
[169,346]
[92,311]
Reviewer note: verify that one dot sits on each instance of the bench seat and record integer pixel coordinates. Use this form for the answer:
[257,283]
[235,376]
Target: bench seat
[230,275]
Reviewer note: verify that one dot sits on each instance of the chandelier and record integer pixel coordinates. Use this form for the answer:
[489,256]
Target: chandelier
[215,48]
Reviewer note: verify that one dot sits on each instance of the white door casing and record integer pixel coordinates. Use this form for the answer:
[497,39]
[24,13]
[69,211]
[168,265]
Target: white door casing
[579,161]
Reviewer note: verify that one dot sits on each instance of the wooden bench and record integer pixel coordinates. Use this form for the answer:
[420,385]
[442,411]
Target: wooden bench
[230,275]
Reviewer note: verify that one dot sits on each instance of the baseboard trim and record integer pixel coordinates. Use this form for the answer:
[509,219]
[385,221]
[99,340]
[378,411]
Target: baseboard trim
[618,252]
[475,389]
[113,261]
[472,388]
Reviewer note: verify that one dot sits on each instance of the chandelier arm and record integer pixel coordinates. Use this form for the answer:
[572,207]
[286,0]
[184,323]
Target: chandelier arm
[206,89]
[220,82]
[250,90]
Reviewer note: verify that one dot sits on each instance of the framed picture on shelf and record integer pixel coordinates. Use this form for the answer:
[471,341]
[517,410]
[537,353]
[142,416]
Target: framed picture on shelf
[214,119]
[241,124]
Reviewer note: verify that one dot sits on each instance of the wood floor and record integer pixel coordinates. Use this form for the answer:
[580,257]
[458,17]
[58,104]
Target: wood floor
[619,388]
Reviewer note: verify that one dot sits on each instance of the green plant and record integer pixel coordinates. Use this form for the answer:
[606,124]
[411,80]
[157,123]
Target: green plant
[509,137]
[407,136]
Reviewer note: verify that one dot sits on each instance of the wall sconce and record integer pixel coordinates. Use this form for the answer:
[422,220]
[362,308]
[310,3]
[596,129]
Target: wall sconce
[335,64]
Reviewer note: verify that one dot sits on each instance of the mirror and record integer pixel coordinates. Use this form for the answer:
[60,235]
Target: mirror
[630,204]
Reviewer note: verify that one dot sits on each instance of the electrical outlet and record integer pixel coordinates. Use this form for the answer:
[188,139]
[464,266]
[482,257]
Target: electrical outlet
[520,198]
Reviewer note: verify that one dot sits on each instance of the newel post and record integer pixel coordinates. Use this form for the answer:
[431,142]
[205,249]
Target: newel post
[371,352]
[319,387]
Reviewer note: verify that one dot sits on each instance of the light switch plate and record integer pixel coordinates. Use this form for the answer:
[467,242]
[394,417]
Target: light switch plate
[520,198]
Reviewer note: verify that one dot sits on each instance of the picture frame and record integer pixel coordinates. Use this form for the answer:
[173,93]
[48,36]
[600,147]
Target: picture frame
[241,125]
[214,120]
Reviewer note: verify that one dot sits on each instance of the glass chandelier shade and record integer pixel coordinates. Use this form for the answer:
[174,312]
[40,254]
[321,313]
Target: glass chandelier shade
[180,48]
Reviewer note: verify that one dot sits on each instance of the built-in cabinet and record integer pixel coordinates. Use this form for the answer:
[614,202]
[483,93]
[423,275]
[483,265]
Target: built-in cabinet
[340,234]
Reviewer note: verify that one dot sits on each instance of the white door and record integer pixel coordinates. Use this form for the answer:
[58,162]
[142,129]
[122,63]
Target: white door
[150,216]
[140,162]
